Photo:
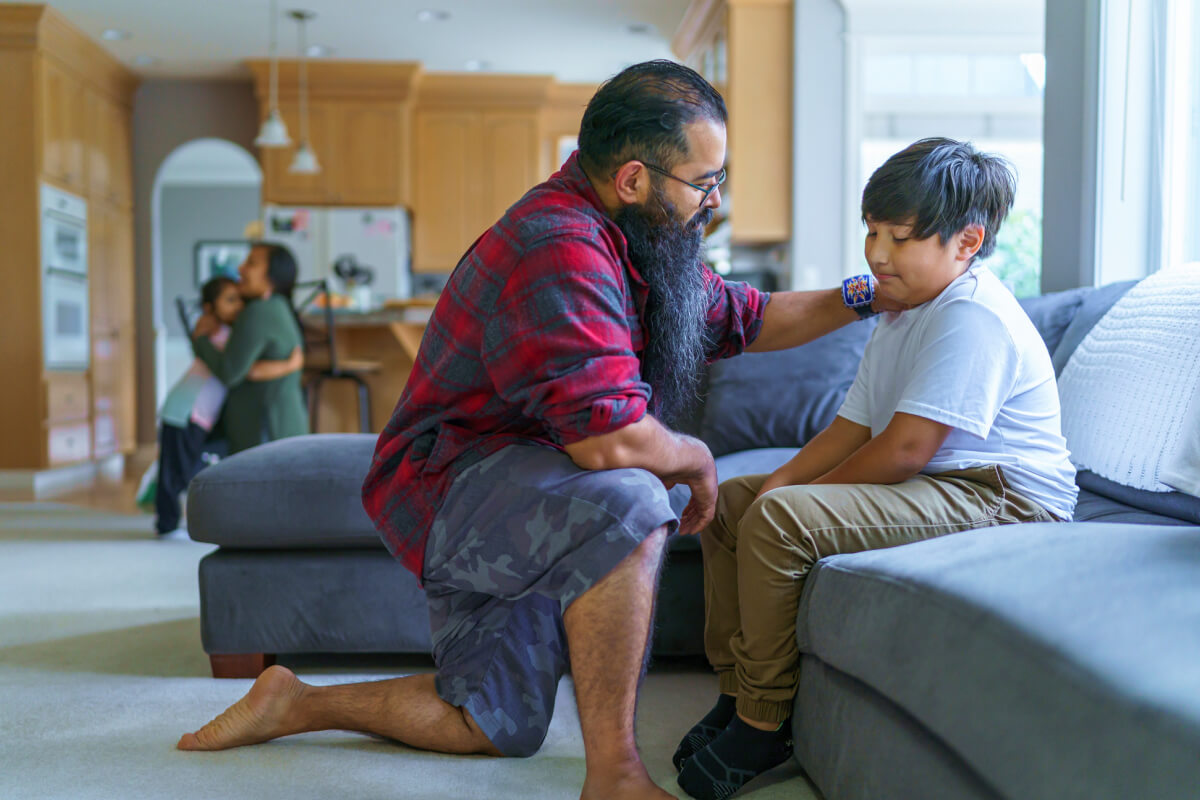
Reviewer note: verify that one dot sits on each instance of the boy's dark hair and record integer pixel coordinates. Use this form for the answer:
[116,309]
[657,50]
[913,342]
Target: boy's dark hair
[941,186]
[213,287]
[641,112]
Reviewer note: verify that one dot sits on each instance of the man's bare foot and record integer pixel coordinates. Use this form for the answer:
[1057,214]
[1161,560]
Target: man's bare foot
[626,784]
[261,715]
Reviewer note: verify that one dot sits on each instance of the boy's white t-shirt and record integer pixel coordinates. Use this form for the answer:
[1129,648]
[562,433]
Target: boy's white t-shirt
[971,359]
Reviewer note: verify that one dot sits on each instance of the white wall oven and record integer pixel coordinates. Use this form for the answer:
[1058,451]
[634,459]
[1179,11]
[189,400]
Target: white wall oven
[65,332]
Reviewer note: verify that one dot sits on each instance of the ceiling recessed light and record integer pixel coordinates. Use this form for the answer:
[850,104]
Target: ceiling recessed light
[477,65]
[145,61]
[432,15]
[115,35]
[319,51]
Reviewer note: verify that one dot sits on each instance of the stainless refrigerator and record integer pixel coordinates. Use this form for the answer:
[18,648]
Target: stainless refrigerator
[378,239]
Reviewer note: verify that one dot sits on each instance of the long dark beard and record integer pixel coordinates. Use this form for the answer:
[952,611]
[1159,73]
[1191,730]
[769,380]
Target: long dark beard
[666,252]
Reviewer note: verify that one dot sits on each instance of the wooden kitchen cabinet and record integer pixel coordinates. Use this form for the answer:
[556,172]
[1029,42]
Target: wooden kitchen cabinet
[287,188]
[358,123]
[113,358]
[744,47]
[447,202]
[358,147]
[470,167]
[107,148]
[62,103]
[66,109]
[367,140]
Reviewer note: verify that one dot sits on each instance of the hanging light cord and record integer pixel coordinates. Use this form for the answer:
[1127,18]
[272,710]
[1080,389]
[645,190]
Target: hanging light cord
[274,59]
[303,84]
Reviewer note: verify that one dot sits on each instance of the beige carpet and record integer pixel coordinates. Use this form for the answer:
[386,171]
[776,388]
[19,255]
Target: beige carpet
[101,669]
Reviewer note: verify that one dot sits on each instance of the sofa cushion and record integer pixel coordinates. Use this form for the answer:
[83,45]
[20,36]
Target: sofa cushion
[1092,507]
[1163,506]
[1056,660]
[1052,313]
[305,491]
[781,398]
[1095,304]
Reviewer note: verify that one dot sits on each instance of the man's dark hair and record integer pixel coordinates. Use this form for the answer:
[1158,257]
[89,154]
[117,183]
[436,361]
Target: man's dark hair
[640,113]
[941,186]
[213,287]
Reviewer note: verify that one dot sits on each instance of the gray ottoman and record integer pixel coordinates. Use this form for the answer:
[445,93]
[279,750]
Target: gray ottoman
[1034,661]
[300,568]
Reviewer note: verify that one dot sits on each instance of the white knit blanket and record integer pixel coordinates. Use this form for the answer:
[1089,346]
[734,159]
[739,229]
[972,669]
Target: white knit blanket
[1127,389]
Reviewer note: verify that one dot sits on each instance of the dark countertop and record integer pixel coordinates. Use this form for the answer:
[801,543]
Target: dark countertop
[351,318]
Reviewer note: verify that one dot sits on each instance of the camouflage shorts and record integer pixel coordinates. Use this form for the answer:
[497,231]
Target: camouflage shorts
[520,536]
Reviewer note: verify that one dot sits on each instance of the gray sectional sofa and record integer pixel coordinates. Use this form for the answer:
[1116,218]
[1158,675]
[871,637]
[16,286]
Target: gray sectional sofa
[1046,660]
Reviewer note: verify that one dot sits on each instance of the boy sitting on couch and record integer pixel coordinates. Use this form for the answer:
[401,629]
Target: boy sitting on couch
[952,423]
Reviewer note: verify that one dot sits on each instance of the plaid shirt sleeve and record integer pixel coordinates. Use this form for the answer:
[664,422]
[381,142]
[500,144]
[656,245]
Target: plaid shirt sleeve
[735,316]
[558,343]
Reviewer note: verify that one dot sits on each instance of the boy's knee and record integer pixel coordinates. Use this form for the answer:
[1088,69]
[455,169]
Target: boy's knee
[734,497]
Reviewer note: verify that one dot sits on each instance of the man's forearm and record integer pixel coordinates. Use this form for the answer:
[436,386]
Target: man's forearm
[795,318]
[646,444]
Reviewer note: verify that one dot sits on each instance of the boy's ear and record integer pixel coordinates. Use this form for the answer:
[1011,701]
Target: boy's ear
[970,239]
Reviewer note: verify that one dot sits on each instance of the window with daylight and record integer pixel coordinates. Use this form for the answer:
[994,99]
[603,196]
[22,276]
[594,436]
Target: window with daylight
[986,91]
[1181,179]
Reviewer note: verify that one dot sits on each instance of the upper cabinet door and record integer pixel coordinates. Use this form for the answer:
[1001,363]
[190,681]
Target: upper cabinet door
[98,147]
[119,142]
[62,124]
[288,188]
[448,201]
[510,156]
[367,150]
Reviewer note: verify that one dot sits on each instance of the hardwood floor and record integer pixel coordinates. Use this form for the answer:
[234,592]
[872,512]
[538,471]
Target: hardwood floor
[119,497]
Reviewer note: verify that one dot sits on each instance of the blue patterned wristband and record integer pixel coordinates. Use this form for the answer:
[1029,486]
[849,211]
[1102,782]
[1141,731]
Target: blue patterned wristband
[858,292]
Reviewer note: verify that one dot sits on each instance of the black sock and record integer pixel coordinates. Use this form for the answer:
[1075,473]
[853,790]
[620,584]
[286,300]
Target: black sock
[740,753]
[705,730]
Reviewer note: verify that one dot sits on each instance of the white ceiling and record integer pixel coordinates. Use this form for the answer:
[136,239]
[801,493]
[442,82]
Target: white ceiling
[575,40]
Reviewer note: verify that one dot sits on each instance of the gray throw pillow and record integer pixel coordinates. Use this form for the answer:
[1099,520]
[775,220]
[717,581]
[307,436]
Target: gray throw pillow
[782,398]
[1052,313]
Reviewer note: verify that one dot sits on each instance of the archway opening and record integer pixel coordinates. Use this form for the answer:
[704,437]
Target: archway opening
[207,194]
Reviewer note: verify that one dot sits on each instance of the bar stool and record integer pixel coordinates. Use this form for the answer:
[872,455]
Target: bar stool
[321,361]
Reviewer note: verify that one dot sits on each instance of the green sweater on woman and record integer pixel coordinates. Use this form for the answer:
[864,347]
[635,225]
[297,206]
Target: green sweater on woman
[258,410]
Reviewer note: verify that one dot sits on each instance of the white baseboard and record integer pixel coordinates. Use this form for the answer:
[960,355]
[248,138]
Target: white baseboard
[42,483]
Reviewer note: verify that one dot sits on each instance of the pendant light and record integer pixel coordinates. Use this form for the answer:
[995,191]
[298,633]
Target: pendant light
[305,160]
[273,132]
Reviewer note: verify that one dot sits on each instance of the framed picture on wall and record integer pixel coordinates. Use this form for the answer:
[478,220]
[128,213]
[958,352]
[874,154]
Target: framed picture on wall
[218,258]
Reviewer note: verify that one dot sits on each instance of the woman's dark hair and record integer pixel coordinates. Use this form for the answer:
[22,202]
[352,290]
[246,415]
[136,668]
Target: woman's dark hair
[281,272]
[941,186]
[640,113]
[213,287]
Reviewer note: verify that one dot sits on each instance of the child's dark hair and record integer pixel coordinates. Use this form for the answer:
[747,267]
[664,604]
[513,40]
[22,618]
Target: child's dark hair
[213,287]
[941,186]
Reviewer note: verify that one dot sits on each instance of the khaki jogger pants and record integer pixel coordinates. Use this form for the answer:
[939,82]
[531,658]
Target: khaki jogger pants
[757,554]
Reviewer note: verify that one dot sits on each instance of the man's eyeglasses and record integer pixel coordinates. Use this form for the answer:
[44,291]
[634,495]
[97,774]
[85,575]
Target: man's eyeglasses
[705,191]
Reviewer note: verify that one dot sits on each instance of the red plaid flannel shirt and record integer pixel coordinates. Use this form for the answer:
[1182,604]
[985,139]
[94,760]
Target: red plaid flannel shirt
[536,337]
